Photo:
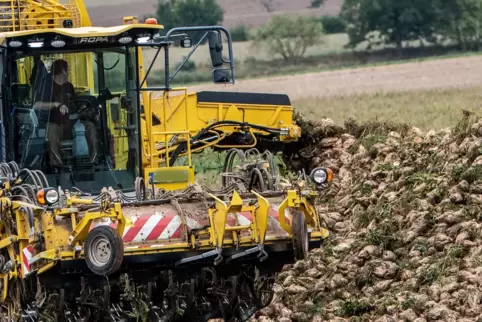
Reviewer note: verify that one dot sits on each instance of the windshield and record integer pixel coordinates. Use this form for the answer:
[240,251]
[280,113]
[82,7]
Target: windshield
[74,117]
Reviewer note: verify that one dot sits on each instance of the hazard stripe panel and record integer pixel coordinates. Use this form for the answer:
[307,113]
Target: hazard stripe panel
[158,226]
[166,225]
[28,254]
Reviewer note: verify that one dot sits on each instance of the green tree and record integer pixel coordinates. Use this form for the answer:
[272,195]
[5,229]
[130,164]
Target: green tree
[289,36]
[461,21]
[394,21]
[240,33]
[188,13]
[333,24]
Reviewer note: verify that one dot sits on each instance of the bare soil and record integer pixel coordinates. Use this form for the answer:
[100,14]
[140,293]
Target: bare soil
[249,12]
[433,74]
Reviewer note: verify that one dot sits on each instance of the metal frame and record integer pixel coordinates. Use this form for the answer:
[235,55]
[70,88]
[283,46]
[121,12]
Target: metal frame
[158,42]
[165,42]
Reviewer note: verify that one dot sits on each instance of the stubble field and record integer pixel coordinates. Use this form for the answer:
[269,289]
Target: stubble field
[429,94]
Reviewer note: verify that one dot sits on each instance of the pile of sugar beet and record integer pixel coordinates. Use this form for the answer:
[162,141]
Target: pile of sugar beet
[404,214]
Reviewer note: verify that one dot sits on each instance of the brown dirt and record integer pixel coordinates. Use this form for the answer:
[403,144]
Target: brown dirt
[444,73]
[249,12]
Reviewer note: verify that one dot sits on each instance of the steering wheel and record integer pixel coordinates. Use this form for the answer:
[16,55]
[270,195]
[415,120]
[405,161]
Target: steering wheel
[82,104]
[85,108]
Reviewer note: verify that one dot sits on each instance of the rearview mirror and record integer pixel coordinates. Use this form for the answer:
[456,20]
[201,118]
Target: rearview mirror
[221,76]
[215,48]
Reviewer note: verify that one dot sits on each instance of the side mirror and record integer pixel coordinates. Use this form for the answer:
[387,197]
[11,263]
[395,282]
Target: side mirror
[221,76]
[215,48]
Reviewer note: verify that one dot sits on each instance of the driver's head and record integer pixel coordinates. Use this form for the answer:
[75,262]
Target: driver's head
[60,71]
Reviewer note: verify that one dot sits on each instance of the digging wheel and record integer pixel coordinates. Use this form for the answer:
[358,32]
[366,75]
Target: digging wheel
[104,250]
[299,234]
[263,289]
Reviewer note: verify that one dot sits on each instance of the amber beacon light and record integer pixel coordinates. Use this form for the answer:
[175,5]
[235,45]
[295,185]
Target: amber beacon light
[151,21]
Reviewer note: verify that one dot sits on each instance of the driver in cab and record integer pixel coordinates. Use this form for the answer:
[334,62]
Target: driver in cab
[61,104]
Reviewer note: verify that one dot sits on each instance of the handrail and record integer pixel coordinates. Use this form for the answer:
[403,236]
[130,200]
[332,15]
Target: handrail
[151,135]
[152,155]
[40,14]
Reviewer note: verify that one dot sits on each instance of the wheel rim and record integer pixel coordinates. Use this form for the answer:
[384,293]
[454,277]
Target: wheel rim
[140,189]
[100,251]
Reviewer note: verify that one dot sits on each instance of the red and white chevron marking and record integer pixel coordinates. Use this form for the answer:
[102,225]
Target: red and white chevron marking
[158,226]
[28,254]
[149,227]
[246,218]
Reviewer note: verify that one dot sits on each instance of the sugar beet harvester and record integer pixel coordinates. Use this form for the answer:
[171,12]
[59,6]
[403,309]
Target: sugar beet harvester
[117,229]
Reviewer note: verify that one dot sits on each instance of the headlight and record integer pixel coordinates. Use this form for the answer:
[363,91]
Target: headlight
[47,196]
[52,196]
[125,40]
[321,175]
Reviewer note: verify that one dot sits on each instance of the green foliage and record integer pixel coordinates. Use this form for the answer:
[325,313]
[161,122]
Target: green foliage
[289,36]
[333,24]
[189,66]
[355,307]
[393,22]
[240,33]
[460,20]
[209,160]
[186,13]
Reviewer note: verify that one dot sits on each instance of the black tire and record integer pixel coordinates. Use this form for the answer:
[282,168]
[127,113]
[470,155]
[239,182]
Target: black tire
[99,237]
[299,234]
[140,189]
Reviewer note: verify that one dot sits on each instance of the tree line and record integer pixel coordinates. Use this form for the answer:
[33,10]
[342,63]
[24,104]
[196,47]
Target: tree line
[371,22]
[395,22]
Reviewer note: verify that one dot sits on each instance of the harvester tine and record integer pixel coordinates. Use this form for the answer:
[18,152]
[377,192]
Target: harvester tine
[261,224]
[263,255]
[243,254]
[218,258]
[213,252]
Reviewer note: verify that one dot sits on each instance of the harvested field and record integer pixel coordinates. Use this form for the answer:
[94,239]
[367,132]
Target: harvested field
[426,109]
[431,74]
[429,94]
[245,50]
[249,12]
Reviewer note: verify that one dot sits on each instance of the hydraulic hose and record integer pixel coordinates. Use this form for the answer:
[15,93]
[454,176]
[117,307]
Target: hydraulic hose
[205,130]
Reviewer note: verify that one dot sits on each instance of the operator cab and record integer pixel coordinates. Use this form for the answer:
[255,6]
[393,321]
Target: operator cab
[89,140]
[77,108]
[80,164]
